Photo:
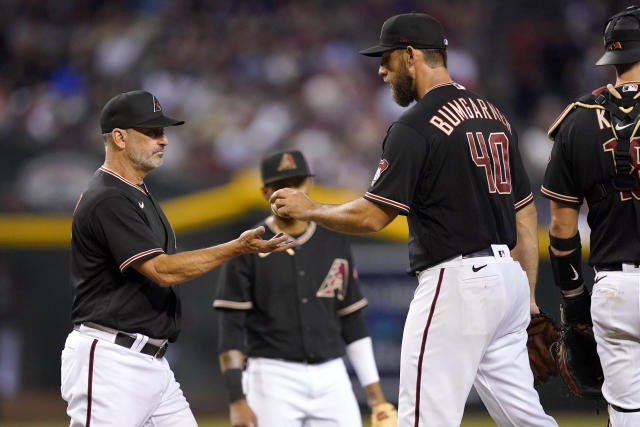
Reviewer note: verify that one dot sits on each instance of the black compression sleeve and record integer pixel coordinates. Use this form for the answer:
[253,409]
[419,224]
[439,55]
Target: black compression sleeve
[354,327]
[231,330]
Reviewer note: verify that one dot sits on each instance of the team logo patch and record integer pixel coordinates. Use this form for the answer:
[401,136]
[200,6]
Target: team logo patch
[614,46]
[335,284]
[156,105]
[286,163]
[630,88]
[382,166]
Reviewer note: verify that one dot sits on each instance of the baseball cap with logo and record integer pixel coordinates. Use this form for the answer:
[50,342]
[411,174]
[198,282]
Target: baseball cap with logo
[138,108]
[622,38]
[283,165]
[419,30]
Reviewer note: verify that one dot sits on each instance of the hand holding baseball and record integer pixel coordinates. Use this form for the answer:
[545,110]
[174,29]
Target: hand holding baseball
[291,203]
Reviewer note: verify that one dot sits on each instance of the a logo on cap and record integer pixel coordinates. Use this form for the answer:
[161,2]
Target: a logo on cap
[156,105]
[614,46]
[286,163]
[404,40]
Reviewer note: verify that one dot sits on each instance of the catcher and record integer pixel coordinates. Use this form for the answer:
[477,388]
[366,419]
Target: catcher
[595,158]
[297,311]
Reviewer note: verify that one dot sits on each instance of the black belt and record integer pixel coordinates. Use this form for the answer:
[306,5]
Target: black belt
[480,253]
[615,266]
[125,340]
[150,349]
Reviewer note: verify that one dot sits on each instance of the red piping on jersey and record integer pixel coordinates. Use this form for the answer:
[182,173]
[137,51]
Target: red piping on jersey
[424,343]
[138,256]
[440,85]
[559,196]
[524,201]
[110,172]
[90,382]
[387,201]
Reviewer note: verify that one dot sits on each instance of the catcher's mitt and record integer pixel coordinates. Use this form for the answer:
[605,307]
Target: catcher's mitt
[384,415]
[542,333]
[578,362]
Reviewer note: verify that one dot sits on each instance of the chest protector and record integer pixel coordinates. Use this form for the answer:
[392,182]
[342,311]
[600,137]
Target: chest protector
[623,111]
[624,114]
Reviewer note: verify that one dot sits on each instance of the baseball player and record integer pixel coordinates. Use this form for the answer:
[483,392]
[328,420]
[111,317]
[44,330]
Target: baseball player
[124,264]
[451,164]
[595,158]
[297,309]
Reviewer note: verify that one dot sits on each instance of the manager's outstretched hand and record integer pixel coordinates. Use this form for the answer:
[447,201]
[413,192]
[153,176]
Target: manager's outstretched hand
[292,203]
[251,242]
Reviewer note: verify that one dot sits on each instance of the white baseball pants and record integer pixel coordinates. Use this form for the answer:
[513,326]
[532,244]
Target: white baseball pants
[466,326]
[106,384]
[291,394]
[615,310]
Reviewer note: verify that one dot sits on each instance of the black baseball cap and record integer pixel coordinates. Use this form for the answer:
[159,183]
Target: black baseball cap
[136,109]
[622,38]
[419,30]
[282,165]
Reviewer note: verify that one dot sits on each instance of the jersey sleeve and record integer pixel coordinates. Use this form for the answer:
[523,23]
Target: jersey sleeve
[558,183]
[353,299]
[123,227]
[403,154]
[234,284]
[522,195]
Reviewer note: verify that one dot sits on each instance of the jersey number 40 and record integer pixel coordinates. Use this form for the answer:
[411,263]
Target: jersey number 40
[496,165]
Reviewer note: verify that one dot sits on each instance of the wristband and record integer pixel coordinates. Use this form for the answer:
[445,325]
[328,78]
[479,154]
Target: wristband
[233,384]
[360,355]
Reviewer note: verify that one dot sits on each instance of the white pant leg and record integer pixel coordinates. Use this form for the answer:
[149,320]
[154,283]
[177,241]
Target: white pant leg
[333,404]
[173,409]
[276,391]
[451,320]
[504,381]
[615,310]
[113,386]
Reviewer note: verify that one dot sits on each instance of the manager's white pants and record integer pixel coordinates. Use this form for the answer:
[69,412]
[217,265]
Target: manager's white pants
[106,384]
[615,310]
[468,328]
[291,394]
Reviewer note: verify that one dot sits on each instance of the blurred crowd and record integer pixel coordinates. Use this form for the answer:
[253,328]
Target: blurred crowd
[250,76]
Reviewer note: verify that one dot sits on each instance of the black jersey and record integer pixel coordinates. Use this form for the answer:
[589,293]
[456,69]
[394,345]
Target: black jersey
[451,164]
[294,300]
[115,224]
[582,164]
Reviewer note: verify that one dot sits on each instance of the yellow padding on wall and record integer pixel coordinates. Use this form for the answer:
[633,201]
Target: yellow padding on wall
[187,213]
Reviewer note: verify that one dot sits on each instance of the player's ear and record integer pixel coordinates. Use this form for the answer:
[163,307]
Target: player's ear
[267,191]
[119,137]
[306,185]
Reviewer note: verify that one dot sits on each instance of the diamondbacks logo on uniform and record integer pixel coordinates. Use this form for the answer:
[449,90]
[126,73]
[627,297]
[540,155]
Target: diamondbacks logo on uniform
[286,163]
[156,105]
[382,166]
[335,284]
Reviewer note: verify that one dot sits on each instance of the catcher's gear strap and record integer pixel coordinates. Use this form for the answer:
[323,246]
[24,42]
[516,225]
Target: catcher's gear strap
[565,244]
[585,101]
[576,309]
[567,269]
[360,354]
[233,384]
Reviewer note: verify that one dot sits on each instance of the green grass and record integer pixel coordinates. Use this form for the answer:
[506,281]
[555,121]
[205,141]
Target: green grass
[564,420]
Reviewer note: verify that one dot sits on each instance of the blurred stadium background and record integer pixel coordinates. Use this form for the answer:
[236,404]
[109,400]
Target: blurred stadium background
[248,76]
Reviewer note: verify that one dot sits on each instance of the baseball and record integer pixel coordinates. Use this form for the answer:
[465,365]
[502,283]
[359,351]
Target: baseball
[274,209]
